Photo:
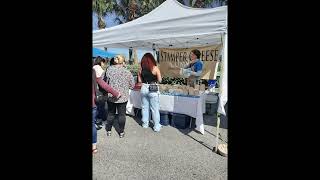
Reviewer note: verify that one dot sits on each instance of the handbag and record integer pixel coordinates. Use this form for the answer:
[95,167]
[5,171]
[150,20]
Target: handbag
[153,88]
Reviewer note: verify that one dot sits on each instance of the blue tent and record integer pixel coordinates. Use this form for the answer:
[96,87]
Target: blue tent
[98,52]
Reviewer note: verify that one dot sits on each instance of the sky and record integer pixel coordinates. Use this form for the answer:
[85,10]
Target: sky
[110,22]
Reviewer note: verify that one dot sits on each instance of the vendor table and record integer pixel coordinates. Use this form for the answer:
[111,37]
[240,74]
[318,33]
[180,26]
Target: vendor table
[192,106]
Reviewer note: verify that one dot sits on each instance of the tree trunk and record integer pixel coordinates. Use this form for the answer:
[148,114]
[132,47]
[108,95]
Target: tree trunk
[101,23]
[130,56]
[135,56]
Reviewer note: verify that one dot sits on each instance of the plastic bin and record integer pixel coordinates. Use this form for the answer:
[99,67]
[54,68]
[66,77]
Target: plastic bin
[180,121]
[164,118]
[211,104]
[211,108]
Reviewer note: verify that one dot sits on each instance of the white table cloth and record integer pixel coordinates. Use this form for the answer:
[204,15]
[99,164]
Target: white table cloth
[191,106]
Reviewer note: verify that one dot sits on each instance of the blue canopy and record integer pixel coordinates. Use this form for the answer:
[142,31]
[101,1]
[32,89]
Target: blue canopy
[98,52]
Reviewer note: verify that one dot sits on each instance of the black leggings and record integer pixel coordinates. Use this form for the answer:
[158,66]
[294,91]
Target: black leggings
[121,107]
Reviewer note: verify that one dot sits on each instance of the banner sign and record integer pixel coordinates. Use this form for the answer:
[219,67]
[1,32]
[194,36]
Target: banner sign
[171,61]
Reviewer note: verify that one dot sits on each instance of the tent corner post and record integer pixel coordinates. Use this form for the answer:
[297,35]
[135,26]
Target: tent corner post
[217,136]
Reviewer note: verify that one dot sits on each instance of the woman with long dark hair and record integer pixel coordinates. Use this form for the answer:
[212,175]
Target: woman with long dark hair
[149,75]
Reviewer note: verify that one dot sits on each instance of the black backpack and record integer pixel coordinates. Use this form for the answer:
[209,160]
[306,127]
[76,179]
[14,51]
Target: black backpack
[104,92]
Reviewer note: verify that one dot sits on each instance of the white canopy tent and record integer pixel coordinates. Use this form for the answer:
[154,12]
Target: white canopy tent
[172,25]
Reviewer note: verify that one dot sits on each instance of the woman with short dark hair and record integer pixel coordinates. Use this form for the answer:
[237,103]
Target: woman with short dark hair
[95,81]
[99,60]
[194,68]
[99,67]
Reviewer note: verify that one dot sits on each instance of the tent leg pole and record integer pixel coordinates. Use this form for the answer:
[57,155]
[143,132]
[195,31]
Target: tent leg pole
[220,90]
[217,136]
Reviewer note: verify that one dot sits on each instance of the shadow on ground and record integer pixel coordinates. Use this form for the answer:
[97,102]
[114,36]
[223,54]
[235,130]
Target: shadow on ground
[209,120]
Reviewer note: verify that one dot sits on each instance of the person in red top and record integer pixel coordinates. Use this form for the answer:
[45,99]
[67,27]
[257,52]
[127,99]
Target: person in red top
[110,90]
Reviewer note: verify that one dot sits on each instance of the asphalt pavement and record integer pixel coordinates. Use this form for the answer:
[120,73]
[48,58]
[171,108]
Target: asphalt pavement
[169,154]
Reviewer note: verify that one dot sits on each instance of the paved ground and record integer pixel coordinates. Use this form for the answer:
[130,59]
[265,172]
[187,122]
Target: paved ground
[168,154]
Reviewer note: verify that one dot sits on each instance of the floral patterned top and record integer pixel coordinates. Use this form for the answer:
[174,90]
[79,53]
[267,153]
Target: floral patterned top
[121,80]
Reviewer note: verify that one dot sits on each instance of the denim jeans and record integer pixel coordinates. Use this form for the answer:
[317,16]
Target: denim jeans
[94,130]
[121,108]
[150,101]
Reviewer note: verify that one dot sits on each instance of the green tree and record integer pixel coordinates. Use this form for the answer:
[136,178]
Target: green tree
[200,3]
[205,3]
[101,8]
[126,10]
[147,6]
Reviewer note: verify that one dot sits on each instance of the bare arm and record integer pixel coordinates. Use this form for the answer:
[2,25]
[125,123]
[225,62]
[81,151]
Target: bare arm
[139,76]
[107,87]
[186,66]
[198,73]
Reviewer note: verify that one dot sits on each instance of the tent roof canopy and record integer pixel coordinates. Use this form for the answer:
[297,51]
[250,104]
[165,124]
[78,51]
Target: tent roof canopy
[170,25]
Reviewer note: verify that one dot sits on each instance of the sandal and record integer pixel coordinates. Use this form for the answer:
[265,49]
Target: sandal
[95,150]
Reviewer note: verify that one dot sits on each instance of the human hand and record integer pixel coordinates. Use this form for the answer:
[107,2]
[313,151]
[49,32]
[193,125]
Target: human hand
[119,95]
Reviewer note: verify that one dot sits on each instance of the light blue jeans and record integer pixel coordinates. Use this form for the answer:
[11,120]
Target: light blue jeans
[150,101]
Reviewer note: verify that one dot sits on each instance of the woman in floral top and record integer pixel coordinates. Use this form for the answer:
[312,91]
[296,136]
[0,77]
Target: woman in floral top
[121,80]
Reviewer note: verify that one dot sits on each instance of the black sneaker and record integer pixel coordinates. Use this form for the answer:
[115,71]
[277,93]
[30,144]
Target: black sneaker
[121,135]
